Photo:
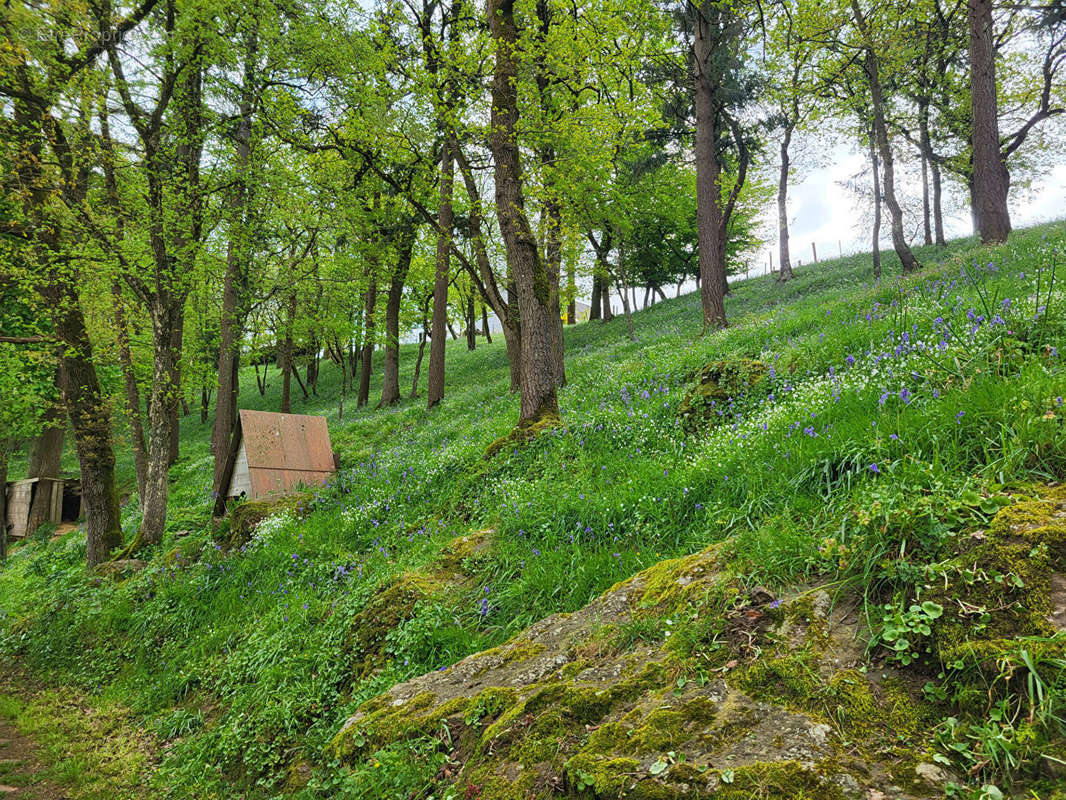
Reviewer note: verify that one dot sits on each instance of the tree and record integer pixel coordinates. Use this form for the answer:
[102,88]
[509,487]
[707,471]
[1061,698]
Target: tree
[34,79]
[872,71]
[538,391]
[171,135]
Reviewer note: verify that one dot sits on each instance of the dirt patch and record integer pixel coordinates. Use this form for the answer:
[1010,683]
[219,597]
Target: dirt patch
[1057,595]
[21,772]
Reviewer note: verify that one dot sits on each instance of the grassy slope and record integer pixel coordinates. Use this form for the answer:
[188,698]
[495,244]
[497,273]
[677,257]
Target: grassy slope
[239,660]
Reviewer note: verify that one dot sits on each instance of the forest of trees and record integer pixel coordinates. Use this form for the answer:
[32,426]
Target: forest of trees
[192,187]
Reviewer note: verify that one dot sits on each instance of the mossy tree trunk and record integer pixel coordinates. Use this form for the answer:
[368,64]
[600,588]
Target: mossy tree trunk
[46,454]
[90,421]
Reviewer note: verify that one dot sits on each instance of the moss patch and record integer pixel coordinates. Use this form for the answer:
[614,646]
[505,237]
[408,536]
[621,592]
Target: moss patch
[237,528]
[717,384]
[525,431]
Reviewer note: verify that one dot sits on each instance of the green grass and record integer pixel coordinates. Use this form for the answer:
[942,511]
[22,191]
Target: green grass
[847,464]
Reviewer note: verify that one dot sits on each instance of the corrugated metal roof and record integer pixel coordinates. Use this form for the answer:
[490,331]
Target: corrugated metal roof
[285,450]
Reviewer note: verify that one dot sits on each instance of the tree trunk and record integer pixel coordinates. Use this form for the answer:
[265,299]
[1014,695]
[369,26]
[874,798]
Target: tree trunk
[90,417]
[782,207]
[601,272]
[435,392]
[552,214]
[368,344]
[923,124]
[205,404]
[876,232]
[622,289]
[231,321]
[91,422]
[925,149]
[571,292]
[5,449]
[421,346]
[538,362]
[938,214]
[390,381]
[873,77]
[353,361]
[312,365]
[160,428]
[553,266]
[286,355]
[606,314]
[342,362]
[647,294]
[991,179]
[506,309]
[46,455]
[708,192]
[485,323]
[234,285]
[471,322]
[122,336]
[177,337]
[300,383]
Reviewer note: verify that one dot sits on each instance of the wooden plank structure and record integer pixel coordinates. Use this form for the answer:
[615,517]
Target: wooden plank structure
[63,502]
[273,454]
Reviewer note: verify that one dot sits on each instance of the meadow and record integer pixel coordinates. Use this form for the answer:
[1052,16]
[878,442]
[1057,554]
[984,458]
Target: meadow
[891,415]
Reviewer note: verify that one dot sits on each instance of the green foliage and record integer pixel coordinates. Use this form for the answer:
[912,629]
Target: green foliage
[905,632]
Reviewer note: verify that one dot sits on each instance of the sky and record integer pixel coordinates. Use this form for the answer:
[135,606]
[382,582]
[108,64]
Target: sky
[823,210]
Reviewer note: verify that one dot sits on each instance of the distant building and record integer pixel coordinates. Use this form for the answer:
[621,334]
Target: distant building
[582,311]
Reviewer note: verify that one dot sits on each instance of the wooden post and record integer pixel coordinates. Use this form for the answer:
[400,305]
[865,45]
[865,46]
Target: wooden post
[814,253]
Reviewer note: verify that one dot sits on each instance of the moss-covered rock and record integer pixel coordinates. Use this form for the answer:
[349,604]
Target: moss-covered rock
[1000,586]
[237,528]
[556,711]
[716,385]
[392,605]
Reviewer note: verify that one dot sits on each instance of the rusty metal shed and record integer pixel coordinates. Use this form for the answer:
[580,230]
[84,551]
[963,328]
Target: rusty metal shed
[274,453]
